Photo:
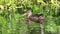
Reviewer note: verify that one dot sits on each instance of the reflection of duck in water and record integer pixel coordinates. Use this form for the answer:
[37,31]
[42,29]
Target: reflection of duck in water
[38,18]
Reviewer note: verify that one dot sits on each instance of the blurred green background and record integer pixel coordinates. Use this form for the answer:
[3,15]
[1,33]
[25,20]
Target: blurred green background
[12,21]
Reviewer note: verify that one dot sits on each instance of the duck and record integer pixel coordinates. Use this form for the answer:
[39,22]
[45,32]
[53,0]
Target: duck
[38,18]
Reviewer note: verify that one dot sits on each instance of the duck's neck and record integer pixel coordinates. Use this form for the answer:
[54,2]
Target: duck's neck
[29,14]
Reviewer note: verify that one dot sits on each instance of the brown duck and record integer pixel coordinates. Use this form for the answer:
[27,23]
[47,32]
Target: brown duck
[38,18]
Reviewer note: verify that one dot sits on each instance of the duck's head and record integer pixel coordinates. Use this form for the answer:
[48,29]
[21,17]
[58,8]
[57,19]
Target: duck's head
[28,13]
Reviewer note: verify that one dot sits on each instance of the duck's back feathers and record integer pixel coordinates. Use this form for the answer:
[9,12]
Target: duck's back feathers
[37,15]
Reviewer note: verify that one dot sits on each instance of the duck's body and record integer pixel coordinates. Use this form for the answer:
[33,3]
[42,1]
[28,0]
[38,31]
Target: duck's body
[33,18]
[38,18]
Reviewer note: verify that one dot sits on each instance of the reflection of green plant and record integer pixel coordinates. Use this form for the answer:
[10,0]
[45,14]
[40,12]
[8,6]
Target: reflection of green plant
[3,25]
[51,27]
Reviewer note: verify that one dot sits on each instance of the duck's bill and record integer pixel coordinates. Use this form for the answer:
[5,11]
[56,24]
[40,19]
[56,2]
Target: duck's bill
[24,14]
